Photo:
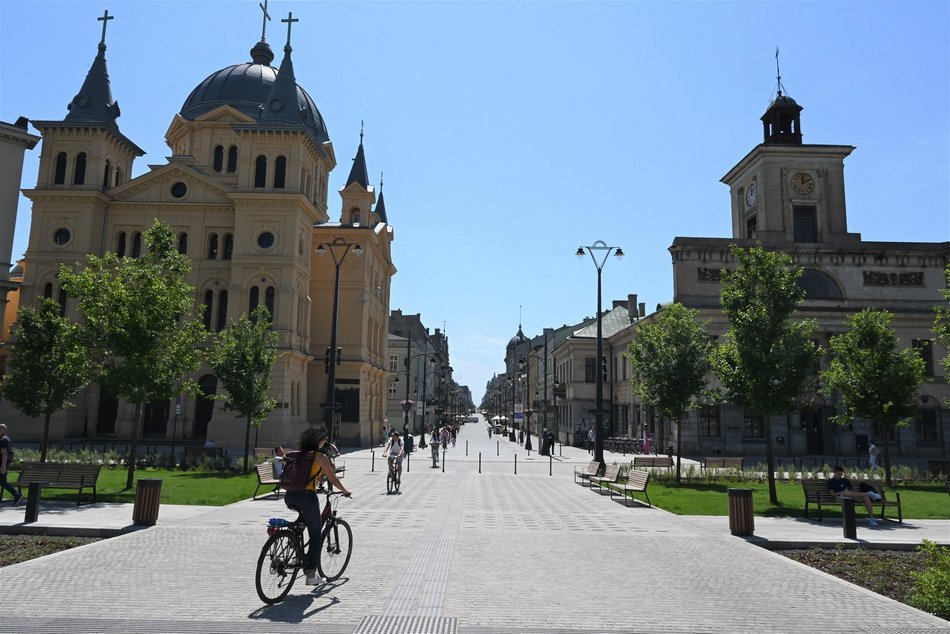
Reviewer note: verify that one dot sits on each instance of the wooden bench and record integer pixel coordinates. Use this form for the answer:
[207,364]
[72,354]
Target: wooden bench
[266,477]
[586,472]
[611,474]
[60,476]
[816,492]
[640,462]
[636,483]
[722,463]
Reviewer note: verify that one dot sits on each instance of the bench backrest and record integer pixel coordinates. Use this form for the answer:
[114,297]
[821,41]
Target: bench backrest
[818,489]
[592,468]
[638,479]
[39,472]
[652,461]
[85,473]
[265,471]
[59,472]
[611,473]
[724,463]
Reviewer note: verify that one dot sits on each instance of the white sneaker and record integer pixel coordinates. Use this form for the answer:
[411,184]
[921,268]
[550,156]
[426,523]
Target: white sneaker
[874,495]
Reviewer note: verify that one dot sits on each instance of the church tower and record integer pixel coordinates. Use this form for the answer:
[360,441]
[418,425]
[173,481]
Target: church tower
[83,159]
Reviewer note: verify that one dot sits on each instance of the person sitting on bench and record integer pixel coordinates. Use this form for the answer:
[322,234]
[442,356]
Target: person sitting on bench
[840,485]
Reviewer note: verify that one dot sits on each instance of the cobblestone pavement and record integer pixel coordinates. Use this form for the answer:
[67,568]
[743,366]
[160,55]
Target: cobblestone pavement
[455,552]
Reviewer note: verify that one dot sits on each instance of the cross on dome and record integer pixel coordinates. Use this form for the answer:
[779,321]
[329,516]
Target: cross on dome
[265,19]
[290,19]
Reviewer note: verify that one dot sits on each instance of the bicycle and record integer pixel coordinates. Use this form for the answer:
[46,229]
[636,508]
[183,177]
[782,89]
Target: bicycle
[282,557]
[392,478]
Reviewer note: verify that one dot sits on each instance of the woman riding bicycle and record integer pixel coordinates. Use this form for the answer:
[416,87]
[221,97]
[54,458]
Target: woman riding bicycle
[307,503]
[395,450]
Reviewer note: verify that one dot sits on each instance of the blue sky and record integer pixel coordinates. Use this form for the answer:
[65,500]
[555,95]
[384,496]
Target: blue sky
[510,133]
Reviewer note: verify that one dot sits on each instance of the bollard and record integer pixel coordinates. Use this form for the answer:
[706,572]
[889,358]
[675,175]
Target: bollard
[372,462]
[466,447]
[443,460]
[408,456]
[550,464]
[516,464]
[33,501]
[848,522]
[741,519]
[479,462]
[148,495]
[497,449]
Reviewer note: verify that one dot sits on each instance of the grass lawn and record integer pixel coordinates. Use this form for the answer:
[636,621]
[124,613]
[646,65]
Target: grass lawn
[918,501]
[202,488]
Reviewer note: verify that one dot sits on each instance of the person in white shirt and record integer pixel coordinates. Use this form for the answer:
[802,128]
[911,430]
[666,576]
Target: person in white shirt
[278,461]
[395,450]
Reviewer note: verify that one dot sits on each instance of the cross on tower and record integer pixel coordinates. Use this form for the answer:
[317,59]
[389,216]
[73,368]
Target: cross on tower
[265,19]
[105,22]
[290,22]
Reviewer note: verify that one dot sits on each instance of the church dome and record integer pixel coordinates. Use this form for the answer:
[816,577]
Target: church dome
[517,340]
[245,87]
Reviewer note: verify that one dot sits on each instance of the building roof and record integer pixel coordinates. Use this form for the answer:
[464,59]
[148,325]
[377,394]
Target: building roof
[253,89]
[612,322]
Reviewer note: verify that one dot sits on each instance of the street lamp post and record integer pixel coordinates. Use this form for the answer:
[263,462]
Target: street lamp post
[526,363]
[338,249]
[599,259]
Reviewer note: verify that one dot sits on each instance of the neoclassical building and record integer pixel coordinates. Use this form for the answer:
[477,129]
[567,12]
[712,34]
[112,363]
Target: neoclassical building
[246,192]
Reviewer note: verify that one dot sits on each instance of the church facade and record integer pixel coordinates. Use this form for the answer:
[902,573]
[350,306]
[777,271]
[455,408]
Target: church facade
[246,193]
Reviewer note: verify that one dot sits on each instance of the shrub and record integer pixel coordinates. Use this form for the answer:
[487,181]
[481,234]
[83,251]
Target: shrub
[931,591]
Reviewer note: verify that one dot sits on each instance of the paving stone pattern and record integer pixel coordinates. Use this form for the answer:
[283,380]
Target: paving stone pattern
[458,552]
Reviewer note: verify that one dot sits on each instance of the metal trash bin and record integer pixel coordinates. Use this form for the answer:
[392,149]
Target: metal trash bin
[148,494]
[741,519]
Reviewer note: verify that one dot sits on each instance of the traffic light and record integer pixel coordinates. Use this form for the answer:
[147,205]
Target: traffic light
[339,355]
[603,367]
[326,362]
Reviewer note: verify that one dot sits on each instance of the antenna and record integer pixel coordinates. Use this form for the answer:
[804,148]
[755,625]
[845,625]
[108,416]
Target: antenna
[778,73]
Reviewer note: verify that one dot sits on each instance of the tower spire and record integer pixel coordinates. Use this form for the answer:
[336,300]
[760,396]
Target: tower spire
[778,74]
[94,103]
[358,171]
[781,122]
[380,209]
[282,104]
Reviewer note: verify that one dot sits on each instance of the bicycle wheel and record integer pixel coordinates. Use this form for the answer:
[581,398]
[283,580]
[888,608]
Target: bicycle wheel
[389,482]
[335,550]
[277,567]
[396,482]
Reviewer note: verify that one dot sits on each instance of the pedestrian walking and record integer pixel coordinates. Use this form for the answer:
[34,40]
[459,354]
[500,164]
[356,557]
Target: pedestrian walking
[6,461]
[590,440]
[873,452]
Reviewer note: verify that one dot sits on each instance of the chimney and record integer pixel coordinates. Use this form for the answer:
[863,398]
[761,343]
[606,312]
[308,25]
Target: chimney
[632,306]
[617,303]
[643,309]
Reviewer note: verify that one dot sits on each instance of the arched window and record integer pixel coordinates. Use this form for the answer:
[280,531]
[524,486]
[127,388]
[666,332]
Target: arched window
[59,175]
[48,290]
[213,246]
[209,300]
[222,310]
[280,172]
[260,171]
[269,301]
[118,177]
[232,159]
[228,246]
[183,243]
[79,174]
[62,300]
[218,158]
[106,173]
[819,285]
[136,244]
[120,245]
[255,299]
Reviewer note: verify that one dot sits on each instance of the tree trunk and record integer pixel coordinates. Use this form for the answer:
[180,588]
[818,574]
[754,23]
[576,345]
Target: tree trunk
[45,446]
[247,443]
[133,445]
[770,458]
[679,445]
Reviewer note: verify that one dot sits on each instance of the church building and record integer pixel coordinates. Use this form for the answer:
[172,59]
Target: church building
[246,193]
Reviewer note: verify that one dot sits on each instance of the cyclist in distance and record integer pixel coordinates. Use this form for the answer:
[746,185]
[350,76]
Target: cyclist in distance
[307,503]
[395,450]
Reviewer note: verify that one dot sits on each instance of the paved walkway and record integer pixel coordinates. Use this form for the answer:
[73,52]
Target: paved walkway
[455,552]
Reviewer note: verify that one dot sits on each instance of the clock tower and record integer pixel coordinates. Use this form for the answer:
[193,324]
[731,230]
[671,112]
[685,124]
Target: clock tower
[785,192]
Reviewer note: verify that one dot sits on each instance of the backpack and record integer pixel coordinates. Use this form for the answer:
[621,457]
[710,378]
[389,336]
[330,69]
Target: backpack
[296,473]
[9,446]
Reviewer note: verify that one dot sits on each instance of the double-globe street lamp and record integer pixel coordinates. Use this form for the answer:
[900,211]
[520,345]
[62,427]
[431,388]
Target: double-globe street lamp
[338,249]
[599,251]
[406,404]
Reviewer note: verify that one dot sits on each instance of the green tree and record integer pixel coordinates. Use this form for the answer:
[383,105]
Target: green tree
[942,323]
[873,380]
[242,357]
[670,358]
[766,357]
[48,364]
[140,319]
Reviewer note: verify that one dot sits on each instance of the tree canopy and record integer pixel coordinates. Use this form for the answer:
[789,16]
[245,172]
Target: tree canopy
[670,358]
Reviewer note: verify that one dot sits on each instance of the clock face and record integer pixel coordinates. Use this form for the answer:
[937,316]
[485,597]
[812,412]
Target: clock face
[803,183]
[750,195]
